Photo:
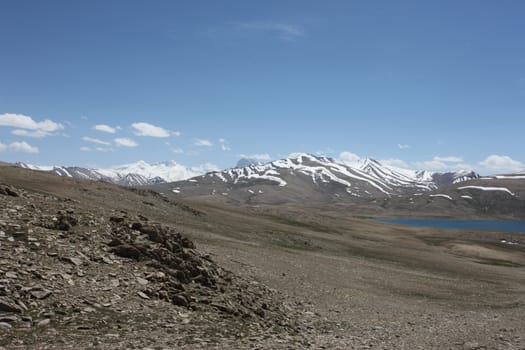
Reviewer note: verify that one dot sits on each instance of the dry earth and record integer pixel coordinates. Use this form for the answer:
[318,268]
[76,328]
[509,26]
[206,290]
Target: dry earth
[259,278]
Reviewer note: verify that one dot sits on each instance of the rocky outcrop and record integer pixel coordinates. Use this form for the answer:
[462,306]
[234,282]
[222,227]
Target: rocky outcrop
[67,268]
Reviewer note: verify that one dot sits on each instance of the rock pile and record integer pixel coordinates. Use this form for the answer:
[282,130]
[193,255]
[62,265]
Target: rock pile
[185,277]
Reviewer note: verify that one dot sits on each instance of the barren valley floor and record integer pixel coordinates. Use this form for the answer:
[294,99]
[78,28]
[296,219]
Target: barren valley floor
[301,277]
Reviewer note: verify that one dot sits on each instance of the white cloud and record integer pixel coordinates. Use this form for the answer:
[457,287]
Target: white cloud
[259,156]
[224,145]
[205,168]
[403,146]
[431,165]
[125,142]
[105,128]
[441,163]
[348,157]
[98,149]
[22,147]
[284,31]
[324,152]
[502,164]
[32,133]
[97,141]
[178,151]
[463,166]
[202,143]
[398,163]
[449,159]
[146,129]
[23,123]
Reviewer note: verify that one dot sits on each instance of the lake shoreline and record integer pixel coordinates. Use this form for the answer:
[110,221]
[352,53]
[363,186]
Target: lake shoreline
[511,226]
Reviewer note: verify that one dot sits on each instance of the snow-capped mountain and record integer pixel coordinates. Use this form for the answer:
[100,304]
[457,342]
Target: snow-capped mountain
[244,162]
[386,179]
[303,173]
[134,174]
[307,177]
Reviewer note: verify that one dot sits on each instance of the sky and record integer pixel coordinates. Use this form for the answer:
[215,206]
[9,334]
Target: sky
[435,85]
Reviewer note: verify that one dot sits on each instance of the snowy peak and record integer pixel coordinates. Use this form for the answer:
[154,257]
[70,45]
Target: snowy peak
[135,174]
[245,162]
[361,178]
[442,179]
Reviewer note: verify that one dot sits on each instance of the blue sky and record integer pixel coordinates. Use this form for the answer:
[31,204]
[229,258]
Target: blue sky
[437,85]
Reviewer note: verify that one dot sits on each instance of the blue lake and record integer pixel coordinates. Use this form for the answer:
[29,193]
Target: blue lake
[490,225]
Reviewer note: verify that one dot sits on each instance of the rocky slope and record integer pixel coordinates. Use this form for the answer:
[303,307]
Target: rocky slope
[78,274]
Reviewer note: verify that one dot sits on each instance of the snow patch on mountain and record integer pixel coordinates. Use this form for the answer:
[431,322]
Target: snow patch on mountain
[168,171]
[441,195]
[485,188]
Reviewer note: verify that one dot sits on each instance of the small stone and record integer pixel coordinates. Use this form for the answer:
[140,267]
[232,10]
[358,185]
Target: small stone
[159,275]
[107,260]
[22,305]
[11,275]
[142,295]
[142,281]
[114,283]
[4,325]
[43,322]
[259,312]
[8,319]
[9,192]
[126,251]
[83,328]
[179,300]
[74,261]
[8,305]
[41,294]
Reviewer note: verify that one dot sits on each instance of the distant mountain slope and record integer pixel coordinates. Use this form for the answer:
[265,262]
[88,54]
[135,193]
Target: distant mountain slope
[495,196]
[305,177]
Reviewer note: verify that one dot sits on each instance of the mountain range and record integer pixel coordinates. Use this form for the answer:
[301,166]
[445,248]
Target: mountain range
[134,174]
[322,170]
[304,178]
[298,178]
